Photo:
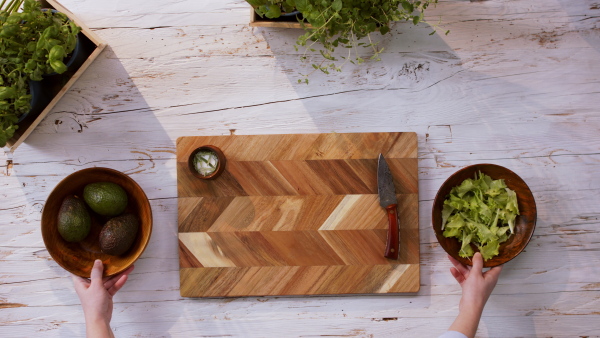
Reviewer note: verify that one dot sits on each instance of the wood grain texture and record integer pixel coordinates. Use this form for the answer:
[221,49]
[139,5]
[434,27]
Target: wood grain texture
[515,83]
[297,214]
[78,257]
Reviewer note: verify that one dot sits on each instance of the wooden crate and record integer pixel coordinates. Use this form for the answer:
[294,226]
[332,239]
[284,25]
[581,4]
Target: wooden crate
[60,86]
[281,22]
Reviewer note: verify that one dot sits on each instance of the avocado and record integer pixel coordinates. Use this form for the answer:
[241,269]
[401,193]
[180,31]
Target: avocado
[118,234]
[74,221]
[105,198]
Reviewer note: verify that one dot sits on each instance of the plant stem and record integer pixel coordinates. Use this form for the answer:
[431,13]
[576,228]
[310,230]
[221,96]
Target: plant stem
[14,5]
[9,7]
[320,28]
[371,43]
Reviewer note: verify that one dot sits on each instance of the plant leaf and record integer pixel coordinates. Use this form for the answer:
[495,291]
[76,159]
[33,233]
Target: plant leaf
[337,5]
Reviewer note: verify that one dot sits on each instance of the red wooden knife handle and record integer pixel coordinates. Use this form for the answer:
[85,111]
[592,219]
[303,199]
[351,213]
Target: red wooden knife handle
[391,247]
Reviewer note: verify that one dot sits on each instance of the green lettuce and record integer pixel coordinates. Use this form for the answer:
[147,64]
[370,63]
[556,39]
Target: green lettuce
[480,212]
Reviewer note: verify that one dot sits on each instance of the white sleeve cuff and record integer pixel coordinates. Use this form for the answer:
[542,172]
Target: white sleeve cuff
[453,334]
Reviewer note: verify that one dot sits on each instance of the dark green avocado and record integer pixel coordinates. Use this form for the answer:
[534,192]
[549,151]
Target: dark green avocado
[105,198]
[74,221]
[118,234]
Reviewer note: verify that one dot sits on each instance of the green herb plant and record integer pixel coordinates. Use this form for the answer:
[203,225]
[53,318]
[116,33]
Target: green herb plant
[33,42]
[344,24]
[482,212]
[272,9]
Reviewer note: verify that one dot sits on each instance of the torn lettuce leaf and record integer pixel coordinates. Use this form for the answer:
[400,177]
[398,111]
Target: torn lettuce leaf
[489,250]
[480,212]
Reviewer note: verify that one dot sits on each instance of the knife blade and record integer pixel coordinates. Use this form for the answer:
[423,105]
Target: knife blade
[388,201]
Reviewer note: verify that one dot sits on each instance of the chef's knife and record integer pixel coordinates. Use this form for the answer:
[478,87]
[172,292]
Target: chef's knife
[388,200]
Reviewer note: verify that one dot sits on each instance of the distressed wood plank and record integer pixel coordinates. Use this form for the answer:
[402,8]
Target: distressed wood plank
[514,83]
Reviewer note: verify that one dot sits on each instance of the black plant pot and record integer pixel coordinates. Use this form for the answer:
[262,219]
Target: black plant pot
[78,56]
[294,13]
[288,14]
[39,100]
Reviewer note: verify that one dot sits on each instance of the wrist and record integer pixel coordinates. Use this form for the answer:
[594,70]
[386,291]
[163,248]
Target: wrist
[96,319]
[97,327]
[473,312]
[471,305]
[467,320]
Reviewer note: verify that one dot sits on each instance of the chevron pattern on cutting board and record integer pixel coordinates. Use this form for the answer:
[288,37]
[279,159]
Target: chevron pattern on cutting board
[297,215]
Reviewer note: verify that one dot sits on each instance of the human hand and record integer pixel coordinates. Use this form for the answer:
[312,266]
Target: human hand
[96,296]
[477,286]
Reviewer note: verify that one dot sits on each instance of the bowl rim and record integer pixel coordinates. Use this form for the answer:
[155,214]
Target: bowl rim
[44,231]
[220,165]
[438,197]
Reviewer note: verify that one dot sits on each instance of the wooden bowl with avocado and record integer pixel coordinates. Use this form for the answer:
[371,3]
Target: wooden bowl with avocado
[59,217]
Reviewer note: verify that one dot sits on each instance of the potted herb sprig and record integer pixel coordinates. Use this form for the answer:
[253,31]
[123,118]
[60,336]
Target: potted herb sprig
[273,8]
[344,24]
[33,42]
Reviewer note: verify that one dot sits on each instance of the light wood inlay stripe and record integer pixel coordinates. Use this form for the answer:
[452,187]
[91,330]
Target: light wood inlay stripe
[340,212]
[204,249]
[393,277]
[186,258]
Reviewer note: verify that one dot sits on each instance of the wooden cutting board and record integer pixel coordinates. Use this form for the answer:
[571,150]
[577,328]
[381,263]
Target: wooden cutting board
[297,215]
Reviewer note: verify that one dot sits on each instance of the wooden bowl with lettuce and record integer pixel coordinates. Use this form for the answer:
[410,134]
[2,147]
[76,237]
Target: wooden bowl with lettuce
[485,208]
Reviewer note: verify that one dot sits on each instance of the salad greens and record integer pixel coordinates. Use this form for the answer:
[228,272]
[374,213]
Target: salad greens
[482,212]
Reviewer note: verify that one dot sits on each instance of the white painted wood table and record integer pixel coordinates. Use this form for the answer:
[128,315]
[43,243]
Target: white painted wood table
[515,83]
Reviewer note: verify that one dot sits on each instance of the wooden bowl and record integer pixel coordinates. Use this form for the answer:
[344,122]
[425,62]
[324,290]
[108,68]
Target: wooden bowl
[525,222]
[79,257]
[220,166]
